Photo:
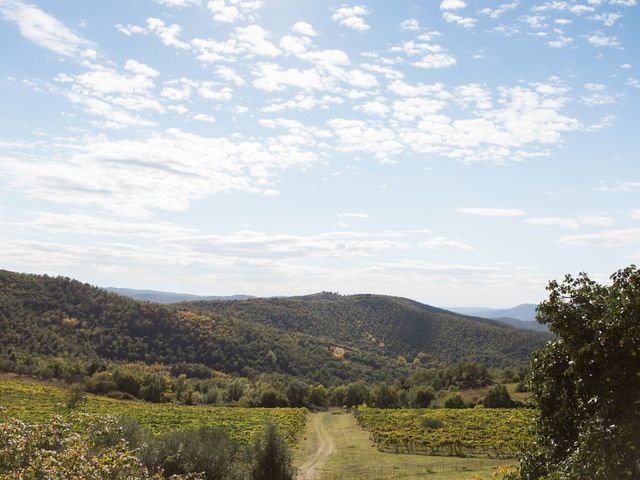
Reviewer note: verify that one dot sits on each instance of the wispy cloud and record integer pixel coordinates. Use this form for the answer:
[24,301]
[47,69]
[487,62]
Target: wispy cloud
[444,243]
[607,238]
[492,212]
[42,29]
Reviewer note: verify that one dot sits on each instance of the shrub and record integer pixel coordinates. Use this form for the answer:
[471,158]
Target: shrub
[208,451]
[498,397]
[75,396]
[432,423]
[455,402]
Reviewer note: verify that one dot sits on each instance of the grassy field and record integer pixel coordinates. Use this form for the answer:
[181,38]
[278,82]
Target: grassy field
[354,457]
[34,401]
[464,432]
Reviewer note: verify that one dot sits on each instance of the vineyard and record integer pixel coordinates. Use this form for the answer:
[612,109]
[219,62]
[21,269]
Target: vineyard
[39,402]
[497,433]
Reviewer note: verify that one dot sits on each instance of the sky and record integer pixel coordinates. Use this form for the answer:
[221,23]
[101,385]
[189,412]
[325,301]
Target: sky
[457,152]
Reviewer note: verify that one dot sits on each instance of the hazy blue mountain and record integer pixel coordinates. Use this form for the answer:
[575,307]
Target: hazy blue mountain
[520,316]
[170,297]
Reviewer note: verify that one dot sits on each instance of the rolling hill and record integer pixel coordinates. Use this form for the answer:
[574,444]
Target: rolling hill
[389,326]
[325,338]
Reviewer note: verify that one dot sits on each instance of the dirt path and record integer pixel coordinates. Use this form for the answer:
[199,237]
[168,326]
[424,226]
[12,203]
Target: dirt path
[309,470]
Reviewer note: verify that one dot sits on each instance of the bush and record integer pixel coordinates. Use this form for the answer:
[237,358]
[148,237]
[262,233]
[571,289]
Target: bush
[271,399]
[498,397]
[432,423]
[75,396]
[455,402]
[207,450]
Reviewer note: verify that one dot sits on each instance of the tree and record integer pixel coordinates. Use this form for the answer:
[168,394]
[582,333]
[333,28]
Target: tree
[297,393]
[586,381]
[498,397]
[385,396]
[422,397]
[272,460]
[357,394]
[271,398]
[455,402]
[318,395]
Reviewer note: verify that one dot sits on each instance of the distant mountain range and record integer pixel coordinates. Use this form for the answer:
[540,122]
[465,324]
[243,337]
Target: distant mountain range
[170,297]
[520,316]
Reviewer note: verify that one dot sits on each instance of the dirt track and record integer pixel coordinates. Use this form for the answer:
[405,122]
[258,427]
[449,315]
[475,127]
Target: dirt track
[309,470]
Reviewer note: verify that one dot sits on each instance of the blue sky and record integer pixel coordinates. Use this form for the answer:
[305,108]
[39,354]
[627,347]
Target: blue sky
[454,152]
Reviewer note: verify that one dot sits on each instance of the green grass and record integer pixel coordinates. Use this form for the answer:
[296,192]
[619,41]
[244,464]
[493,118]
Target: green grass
[34,401]
[356,458]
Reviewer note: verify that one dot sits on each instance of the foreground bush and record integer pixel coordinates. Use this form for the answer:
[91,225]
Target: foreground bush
[87,447]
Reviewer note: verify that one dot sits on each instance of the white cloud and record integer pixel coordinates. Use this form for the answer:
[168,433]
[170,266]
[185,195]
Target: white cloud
[82,224]
[352,17]
[252,244]
[465,22]
[444,243]
[374,108]
[599,40]
[435,61]
[492,212]
[608,19]
[303,102]
[273,78]
[432,56]
[410,24]
[304,28]
[140,69]
[498,11]
[596,220]
[168,34]
[255,40]
[205,118]
[129,30]
[118,98]
[228,11]
[42,29]
[178,3]
[452,4]
[607,238]
[164,171]
[294,45]
[560,42]
[625,186]
[354,215]
[554,221]
[230,75]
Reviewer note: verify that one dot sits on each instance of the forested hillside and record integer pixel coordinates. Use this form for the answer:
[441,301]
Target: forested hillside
[327,338]
[54,316]
[387,326]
